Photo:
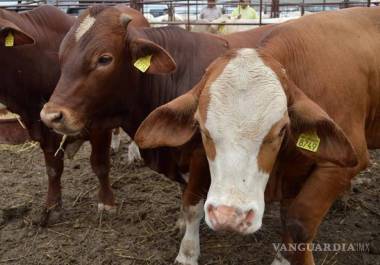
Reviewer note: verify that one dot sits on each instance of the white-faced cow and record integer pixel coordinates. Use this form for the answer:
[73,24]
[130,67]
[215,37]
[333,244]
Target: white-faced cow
[290,120]
[29,71]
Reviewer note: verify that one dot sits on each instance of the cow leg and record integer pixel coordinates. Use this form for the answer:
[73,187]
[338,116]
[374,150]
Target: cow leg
[54,169]
[100,161]
[193,202]
[279,259]
[306,212]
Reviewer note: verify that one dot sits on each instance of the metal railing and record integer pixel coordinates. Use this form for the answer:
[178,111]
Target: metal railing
[190,9]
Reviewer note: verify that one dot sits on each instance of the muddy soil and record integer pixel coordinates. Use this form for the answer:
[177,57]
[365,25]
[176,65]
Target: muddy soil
[144,231]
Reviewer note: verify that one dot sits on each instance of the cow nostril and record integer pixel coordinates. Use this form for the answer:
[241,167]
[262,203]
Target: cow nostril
[55,117]
[210,208]
[250,215]
[211,214]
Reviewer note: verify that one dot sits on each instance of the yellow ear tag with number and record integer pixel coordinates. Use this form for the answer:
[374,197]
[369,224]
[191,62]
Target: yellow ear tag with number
[143,63]
[308,141]
[9,40]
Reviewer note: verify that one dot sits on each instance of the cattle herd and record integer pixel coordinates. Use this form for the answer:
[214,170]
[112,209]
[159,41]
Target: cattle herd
[284,112]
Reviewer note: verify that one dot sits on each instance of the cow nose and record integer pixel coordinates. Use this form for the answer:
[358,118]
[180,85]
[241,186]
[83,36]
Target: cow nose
[51,118]
[224,217]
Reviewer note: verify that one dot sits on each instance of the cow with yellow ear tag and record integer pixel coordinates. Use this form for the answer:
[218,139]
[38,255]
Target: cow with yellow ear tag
[272,126]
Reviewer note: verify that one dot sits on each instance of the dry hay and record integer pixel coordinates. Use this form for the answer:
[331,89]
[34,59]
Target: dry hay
[19,148]
[9,116]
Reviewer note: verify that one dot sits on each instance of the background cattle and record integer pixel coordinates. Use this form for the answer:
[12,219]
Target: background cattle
[293,118]
[29,72]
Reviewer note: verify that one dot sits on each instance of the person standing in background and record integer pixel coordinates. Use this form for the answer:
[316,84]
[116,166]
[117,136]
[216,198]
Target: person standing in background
[244,11]
[211,11]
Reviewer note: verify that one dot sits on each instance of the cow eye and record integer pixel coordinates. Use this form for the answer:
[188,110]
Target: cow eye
[104,60]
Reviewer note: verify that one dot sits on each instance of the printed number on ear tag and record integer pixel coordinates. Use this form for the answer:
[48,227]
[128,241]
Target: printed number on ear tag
[143,63]
[9,40]
[308,141]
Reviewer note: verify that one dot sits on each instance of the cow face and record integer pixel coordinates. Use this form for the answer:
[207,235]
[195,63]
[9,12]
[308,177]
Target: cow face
[244,110]
[97,58]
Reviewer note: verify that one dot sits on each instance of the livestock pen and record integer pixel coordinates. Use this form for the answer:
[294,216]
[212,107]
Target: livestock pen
[144,228]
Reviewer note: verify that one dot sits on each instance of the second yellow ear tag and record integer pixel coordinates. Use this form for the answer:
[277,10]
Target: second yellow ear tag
[308,141]
[9,40]
[143,63]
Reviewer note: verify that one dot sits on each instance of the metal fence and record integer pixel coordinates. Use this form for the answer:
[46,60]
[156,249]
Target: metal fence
[189,10]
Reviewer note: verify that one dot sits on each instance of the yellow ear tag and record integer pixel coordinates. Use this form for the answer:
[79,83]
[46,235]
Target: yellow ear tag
[9,40]
[308,141]
[143,63]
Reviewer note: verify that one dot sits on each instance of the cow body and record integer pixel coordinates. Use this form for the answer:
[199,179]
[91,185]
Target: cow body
[121,94]
[29,72]
[317,77]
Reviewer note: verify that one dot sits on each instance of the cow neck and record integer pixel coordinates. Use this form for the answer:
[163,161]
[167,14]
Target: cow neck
[192,52]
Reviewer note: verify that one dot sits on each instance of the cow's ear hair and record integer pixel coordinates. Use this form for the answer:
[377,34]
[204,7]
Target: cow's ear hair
[172,124]
[10,30]
[308,118]
[161,61]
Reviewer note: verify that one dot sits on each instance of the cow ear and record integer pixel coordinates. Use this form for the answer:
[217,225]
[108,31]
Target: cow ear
[160,62]
[11,35]
[310,124]
[172,124]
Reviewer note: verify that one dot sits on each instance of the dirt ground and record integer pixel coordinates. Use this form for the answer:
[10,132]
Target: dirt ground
[144,229]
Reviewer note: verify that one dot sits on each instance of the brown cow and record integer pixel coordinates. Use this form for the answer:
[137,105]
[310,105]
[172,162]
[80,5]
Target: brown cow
[99,82]
[29,71]
[293,117]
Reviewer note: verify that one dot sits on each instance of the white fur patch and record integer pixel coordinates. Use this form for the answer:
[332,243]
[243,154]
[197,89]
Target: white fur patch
[280,260]
[84,26]
[190,249]
[133,153]
[106,208]
[246,100]
[185,177]
[115,141]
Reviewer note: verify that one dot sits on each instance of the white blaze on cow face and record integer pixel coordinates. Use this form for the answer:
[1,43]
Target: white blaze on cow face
[84,26]
[246,104]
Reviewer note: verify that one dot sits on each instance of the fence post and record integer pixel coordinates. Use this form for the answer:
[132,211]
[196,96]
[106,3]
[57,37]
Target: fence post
[188,27]
[275,10]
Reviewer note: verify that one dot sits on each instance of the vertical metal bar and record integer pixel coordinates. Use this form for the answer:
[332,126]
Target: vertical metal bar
[261,11]
[196,8]
[188,16]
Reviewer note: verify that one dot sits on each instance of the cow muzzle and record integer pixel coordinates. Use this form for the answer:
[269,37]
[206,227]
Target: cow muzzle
[229,218]
[60,119]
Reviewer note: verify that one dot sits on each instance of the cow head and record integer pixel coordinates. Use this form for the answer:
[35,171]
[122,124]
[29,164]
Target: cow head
[12,36]
[97,58]
[245,108]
